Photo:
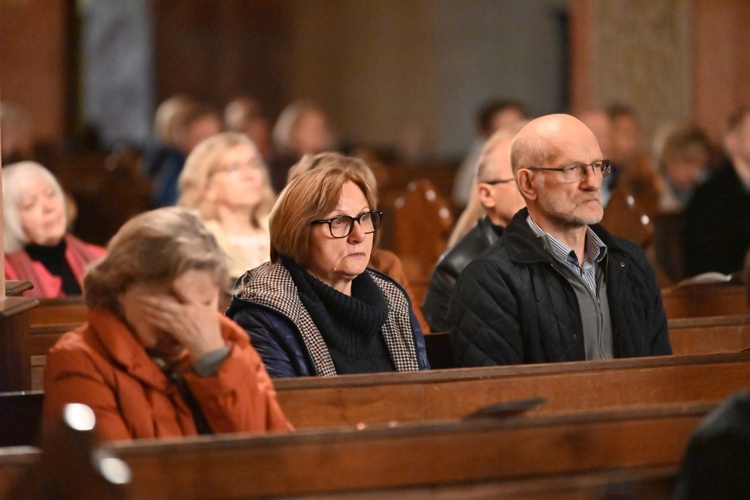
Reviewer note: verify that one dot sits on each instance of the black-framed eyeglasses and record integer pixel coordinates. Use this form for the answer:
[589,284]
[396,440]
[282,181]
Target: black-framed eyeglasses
[575,172]
[342,226]
[498,181]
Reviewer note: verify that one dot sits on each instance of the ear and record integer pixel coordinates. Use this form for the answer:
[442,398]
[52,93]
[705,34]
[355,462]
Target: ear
[526,184]
[485,195]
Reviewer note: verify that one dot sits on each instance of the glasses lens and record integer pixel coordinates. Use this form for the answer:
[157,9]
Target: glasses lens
[370,222]
[341,226]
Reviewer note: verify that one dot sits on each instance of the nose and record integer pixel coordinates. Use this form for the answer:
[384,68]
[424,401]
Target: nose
[358,234]
[48,205]
[592,179]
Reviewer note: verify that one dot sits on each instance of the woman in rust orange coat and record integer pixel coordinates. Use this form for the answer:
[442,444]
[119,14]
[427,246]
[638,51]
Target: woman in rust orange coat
[156,358]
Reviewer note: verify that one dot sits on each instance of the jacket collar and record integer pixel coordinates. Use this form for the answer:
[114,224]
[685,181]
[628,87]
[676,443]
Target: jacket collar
[526,248]
[490,232]
[125,350]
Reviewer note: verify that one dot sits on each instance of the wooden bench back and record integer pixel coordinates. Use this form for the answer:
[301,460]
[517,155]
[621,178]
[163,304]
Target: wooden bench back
[422,220]
[625,217]
[566,387]
[350,400]
[714,299]
[688,336]
[393,458]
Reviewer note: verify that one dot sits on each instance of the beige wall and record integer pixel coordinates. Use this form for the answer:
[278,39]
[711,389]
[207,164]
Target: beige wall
[672,59]
[379,67]
[639,54]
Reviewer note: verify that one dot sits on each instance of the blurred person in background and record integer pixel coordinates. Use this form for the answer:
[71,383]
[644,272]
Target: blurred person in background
[180,123]
[492,116]
[499,199]
[245,115]
[717,218]
[301,129]
[226,181]
[38,246]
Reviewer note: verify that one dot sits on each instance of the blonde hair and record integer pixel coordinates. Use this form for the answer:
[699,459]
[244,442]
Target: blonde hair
[153,247]
[16,179]
[204,161]
[309,197]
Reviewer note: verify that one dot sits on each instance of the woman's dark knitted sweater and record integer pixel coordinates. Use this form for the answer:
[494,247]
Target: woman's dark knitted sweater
[350,325]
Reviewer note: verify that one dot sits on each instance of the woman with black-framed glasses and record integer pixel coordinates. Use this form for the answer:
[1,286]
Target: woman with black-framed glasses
[316,308]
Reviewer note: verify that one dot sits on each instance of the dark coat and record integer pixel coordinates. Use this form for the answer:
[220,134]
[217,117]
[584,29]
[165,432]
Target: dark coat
[716,235]
[279,339]
[512,305]
[450,265]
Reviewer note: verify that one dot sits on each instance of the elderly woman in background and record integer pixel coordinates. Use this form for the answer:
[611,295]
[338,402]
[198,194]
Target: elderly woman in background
[38,247]
[226,181]
[316,309]
[301,129]
[156,358]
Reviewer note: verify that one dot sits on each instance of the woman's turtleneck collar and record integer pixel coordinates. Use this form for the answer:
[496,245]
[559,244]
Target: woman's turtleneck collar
[53,258]
[349,324]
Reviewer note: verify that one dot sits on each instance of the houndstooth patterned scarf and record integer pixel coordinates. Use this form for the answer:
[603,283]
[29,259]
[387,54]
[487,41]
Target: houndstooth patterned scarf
[271,285]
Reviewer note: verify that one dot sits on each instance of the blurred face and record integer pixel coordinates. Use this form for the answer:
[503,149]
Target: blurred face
[42,213]
[199,285]
[500,200]
[337,261]
[237,182]
[202,128]
[311,134]
[686,170]
[598,122]
[626,139]
[505,118]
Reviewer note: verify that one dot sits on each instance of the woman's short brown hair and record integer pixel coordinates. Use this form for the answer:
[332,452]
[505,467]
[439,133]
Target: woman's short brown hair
[309,197]
[153,247]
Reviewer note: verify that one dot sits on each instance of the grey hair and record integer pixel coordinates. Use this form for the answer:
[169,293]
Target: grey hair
[288,120]
[16,179]
[154,247]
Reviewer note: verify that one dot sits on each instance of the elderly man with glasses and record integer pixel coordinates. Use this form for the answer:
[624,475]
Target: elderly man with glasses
[557,286]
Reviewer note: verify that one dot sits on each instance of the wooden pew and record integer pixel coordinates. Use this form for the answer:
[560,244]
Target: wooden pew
[710,299]
[20,418]
[688,336]
[14,350]
[382,460]
[422,220]
[351,400]
[567,387]
[710,334]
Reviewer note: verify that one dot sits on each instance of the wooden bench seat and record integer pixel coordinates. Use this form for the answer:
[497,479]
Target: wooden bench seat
[430,456]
